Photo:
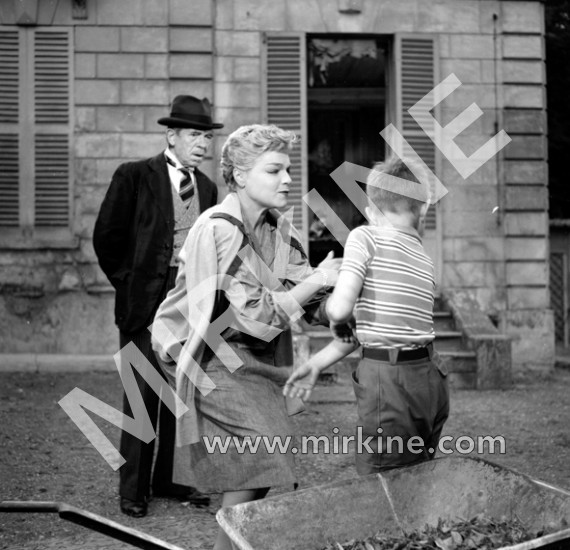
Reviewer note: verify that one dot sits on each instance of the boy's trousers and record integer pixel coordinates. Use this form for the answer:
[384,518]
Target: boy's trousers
[404,399]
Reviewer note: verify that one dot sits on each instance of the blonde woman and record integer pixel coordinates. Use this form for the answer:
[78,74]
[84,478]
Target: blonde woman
[241,265]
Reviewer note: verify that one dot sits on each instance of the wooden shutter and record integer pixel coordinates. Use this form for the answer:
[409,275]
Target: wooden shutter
[285,106]
[52,80]
[9,131]
[416,72]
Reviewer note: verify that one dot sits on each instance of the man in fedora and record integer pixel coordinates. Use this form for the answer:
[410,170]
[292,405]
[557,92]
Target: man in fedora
[145,216]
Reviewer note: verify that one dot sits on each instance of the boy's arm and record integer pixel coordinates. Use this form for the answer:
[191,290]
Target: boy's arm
[341,303]
[303,379]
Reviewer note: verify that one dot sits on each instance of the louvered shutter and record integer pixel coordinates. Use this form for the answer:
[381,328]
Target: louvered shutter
[9,130]
[285,106]
[52,80]
[416,58]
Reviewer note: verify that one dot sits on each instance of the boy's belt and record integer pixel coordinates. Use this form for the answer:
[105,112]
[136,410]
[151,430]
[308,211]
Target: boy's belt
[395,355]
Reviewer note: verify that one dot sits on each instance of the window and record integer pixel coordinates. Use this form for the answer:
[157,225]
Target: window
[35,136]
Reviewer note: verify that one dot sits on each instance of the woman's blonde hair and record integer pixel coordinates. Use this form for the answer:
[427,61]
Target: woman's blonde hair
[247,143]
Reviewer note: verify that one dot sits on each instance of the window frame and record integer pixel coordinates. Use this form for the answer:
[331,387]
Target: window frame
[27,234]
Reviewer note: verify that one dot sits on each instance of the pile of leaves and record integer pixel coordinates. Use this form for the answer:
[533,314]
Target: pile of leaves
[480,533]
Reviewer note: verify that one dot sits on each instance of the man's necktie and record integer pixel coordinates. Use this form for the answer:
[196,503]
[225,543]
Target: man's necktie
[187,187]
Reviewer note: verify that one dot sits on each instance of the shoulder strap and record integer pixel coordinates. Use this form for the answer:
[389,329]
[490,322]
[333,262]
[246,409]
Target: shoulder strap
[236,262]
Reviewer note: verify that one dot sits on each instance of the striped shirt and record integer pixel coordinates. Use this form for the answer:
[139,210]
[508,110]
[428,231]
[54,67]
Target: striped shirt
[395,306]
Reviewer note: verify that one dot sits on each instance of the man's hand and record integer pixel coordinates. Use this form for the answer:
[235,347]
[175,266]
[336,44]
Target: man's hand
[301,382]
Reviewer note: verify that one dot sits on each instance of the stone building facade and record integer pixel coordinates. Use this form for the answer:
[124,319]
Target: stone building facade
[117,65]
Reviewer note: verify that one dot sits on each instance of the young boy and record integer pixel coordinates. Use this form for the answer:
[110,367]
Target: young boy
[387,281]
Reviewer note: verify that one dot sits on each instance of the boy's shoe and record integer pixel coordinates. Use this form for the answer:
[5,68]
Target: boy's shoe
[134,508]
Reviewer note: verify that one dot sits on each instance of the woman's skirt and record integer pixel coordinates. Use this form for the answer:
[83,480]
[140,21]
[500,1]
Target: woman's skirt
[245,433]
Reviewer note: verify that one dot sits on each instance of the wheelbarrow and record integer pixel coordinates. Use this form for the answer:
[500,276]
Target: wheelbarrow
[399,501]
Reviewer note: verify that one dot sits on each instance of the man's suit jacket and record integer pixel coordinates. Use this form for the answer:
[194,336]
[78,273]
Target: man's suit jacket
[134,233]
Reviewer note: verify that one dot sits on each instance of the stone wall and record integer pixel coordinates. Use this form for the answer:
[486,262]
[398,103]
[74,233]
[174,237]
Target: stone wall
[132,57]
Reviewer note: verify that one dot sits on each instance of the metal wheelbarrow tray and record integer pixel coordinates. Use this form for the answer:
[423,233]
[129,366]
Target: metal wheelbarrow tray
[403,499]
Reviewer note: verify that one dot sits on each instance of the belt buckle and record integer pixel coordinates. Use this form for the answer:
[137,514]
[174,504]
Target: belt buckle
[393,355]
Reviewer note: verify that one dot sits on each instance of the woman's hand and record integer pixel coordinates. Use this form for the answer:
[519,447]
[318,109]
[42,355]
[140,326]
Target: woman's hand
[301,382]
[330,267]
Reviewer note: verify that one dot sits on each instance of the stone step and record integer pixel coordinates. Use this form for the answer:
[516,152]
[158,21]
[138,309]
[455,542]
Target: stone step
[443,321]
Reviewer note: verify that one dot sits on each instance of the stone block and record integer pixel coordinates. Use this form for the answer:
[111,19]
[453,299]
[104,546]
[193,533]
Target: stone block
[472,274]
[526,248]
[524,46]
[487,8]
[527,72]
[96,39]
[126,12]
[192,86]
[527,273]
[119,65]
[450,17]
[526,197]
[144,39]
[526,147]
[481,94]
[210,168]
[191,65]
[156,13]
[96,92]
[471,198]
[138,146]
[238,95]
[254,15]
[472,46]
[484,175]
[224,19]
[489,71]
[470,224]
[85,66]
[524,96]
[532,331]
[247,69]
[473,249]
[195,39]
[96,145]
[240,43]
[84,171]
[120,119]
[144,92]
[524,297]
[532,171]
[524,121]
[85,119]
[90,199]
[156,66]
[467,70]
[444,48]
[152,114]
[201,13]
[105,168]
[224,68]
[233,118]
[526,224]
[523,17]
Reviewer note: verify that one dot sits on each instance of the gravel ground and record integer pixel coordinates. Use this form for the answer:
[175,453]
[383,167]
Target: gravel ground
[45,457]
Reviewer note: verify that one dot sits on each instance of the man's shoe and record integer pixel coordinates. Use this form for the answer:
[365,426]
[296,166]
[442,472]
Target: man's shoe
[134,508]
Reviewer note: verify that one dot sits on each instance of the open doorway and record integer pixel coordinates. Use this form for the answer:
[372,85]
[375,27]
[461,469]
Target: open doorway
[346,107]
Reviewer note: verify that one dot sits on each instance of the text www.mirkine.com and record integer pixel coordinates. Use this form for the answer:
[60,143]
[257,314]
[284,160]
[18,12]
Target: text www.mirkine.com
[359,443]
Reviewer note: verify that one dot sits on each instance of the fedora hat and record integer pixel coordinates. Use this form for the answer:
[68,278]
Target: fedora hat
[190,112]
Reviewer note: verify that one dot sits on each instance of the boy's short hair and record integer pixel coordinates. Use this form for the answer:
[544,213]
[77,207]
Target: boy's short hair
[396,202]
